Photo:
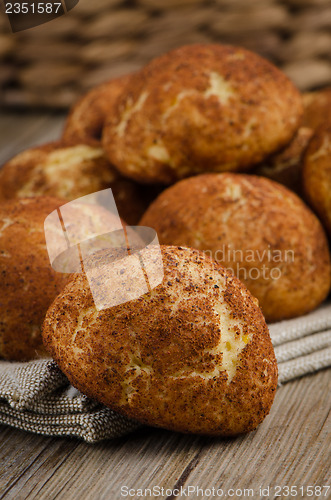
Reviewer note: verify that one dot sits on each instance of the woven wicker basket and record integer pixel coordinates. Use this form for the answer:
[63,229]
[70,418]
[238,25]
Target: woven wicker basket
[51,65]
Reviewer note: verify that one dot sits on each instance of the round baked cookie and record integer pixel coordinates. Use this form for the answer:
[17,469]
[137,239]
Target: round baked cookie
[285,167]
[317,108]
[257,228]
[87,116]
[71,169]
[317,174]
[28,282]
[192,355]
[32,275]
[201,108]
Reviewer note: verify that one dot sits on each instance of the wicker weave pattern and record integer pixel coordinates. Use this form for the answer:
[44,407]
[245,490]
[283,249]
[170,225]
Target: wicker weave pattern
[53,64]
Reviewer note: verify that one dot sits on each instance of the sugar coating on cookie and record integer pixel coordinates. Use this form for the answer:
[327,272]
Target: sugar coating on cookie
[28,282]
[201,108]
[317,108]
[317,174]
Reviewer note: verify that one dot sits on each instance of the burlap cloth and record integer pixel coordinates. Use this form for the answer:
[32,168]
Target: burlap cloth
[37,397]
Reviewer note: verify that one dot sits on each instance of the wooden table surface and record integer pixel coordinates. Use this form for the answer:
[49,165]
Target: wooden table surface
[291,448]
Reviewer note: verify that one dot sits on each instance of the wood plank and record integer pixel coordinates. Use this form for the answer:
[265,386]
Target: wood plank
[290,448]
[20,131]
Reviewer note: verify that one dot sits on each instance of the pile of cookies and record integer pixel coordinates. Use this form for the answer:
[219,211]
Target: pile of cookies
[214,148]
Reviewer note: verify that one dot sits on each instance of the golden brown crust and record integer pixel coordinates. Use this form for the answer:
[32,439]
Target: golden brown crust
[71,169]
[317,108]
[285,167]
[317,174]
[87,116]
[255,226]
[201,108]
[28,283]
[193,355]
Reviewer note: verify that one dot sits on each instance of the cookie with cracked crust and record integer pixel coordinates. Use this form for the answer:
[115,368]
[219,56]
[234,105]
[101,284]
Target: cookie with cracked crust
[33,273]
[201,108]
[28,282]
[317,108]
[258,228]
[317,174]
[69,170]
[88,115]
[286,166]
[192,355]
